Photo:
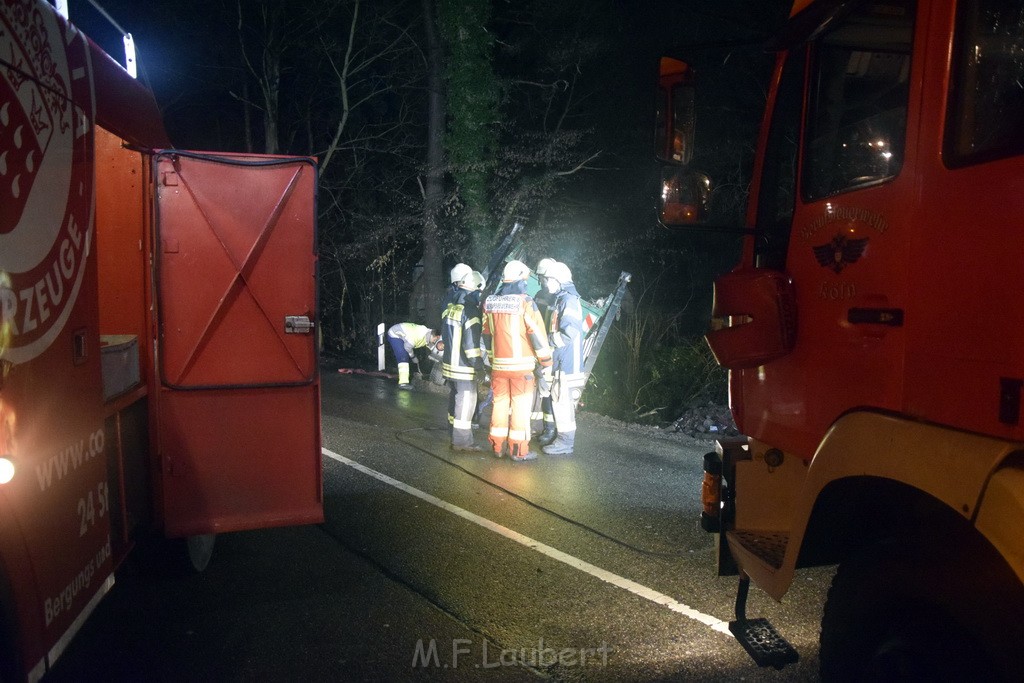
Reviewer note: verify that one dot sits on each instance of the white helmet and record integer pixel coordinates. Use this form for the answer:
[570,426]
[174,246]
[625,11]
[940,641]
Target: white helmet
[459,272]
[477,280]
[560,272]
[544,266]
[515,270]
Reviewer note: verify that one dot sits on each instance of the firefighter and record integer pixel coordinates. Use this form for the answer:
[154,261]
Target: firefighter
[483,377]
[566,337]
[514,337]
[405,338]
[463,359]
[457,275]
[542,415]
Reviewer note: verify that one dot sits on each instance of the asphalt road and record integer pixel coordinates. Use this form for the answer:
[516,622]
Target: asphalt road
[454,567]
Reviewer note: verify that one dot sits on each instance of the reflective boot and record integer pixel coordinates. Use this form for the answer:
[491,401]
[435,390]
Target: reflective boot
[548,435]
[562,445]
[403,376]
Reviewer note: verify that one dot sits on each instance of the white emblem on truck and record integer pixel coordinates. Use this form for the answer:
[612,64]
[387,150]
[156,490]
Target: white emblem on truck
[46,187]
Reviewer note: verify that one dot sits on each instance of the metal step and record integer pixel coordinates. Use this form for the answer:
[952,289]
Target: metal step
[763,643]
[757,636]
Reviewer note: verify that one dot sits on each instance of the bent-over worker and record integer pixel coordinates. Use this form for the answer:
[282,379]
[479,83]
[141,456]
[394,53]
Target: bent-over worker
[405,338]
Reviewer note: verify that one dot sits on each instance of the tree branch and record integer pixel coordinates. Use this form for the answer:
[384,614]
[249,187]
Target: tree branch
[580,166]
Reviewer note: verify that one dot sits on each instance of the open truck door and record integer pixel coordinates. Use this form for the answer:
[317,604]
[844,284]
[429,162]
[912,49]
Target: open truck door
[238,423]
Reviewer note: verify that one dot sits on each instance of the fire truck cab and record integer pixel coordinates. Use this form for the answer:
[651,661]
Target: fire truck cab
[157,364]
[875,337]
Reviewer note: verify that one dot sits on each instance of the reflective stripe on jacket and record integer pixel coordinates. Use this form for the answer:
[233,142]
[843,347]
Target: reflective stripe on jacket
[514,331]
[451,293]
[567,336]
[461,335]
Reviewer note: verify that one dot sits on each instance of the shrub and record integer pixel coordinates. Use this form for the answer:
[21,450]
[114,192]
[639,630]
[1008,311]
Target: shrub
[679,377]
[666,381]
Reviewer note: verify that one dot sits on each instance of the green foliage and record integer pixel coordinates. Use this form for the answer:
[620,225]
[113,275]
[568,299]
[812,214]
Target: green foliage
[472,98]
[670,379]
[682,376]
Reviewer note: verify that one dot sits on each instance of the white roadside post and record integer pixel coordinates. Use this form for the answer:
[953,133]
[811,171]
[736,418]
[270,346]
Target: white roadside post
[380,347]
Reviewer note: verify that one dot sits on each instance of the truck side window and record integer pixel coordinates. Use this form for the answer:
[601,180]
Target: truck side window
[986,104]
[778,183]
[857,115]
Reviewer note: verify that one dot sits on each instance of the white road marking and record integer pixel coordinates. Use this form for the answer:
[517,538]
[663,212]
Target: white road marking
[632,586]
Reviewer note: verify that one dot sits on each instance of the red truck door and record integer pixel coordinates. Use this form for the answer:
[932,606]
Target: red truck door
[238,422]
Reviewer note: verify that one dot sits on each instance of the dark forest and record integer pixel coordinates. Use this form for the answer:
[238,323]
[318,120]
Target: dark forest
[439,123]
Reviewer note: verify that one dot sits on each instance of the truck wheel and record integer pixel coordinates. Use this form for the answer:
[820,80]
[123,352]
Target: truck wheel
[10,669]
[922,613]
[10,661]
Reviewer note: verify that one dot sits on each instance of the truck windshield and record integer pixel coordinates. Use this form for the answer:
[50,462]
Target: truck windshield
[987,102]
[858,102]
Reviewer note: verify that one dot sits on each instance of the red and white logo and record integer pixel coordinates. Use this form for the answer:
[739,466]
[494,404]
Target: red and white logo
[46,186]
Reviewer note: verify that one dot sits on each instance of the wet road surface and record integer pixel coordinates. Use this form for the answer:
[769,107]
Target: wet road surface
[433,564]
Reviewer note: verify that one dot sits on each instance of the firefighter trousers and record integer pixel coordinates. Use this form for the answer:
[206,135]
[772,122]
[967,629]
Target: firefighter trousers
[463,406]
[542,416]
[563,405]
[510,417]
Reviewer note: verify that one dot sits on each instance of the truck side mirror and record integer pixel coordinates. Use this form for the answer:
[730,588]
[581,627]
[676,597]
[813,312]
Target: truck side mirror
[685,197]
[674,127]
[753,318]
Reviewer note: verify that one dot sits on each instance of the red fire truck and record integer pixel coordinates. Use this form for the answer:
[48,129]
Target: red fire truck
[159,369]
[875,337]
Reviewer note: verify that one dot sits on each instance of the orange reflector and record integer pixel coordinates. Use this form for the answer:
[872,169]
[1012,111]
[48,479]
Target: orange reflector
[711,494]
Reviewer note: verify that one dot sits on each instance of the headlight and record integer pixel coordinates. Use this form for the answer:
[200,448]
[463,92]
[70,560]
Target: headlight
[6,469]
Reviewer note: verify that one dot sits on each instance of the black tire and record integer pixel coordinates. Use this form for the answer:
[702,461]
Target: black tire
[10,660]
[435,375]
[10,665]
[948,610]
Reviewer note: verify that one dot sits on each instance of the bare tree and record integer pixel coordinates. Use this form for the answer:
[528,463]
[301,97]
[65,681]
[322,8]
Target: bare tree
[266,31]
[553,71]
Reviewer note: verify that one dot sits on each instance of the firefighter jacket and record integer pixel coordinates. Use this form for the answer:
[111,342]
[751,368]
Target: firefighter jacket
[566,336]
[463,356]
[415,336]
[513,331]
[451,293]
[545,300]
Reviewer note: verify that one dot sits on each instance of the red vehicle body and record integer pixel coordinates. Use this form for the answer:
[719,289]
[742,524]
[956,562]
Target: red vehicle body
[874,335]
[156,308]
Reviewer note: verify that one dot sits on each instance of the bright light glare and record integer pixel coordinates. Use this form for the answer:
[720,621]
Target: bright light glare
[6,470]
[887,155]
[129,55]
